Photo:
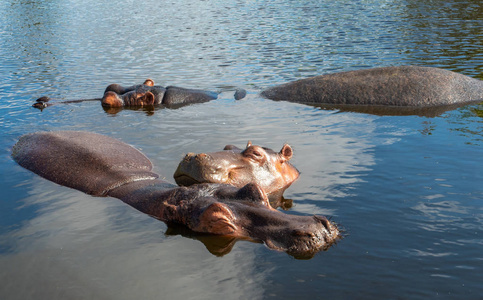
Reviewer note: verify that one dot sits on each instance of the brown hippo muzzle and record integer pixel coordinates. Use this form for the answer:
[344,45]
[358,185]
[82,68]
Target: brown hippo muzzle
[207,168]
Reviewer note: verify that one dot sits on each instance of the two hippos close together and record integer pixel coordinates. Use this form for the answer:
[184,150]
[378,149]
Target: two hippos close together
[235,206]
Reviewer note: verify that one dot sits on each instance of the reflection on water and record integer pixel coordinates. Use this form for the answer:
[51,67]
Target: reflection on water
[82,240]
[216,245]
[406,188]
[449,31]
[433,111]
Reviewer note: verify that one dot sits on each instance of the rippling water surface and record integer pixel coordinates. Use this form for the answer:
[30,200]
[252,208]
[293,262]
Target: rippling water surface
[406,189]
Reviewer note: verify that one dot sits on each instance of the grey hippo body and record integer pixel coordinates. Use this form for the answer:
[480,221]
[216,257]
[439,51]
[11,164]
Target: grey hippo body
[145,95]
[102,166]
[403,86]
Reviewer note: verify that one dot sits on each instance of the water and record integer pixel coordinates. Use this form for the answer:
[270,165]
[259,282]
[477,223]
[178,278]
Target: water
[406,189]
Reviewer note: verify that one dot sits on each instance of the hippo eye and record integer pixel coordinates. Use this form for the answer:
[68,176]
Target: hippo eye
[257,154]
[254,154]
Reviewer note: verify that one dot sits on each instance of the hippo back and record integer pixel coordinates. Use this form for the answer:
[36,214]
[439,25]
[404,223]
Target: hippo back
[410,86]
[88,162]
[176,96]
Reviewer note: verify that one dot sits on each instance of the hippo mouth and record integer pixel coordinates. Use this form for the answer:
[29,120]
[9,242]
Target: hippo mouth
[185,180]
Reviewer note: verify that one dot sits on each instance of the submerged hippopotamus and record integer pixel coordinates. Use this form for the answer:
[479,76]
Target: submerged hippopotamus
[141,95]
[102,166]
[269,169]
[149,94]
[408,86]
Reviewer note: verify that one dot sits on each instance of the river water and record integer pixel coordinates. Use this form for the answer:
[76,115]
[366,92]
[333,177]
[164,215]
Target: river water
[406,189]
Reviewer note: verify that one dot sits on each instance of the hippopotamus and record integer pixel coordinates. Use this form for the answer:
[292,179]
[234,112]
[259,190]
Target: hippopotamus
[402,86]
[255,164]
[146,94]
[102,166]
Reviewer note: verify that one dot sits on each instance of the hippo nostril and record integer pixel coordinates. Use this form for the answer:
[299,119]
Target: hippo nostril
[302,233]
[323,221]
[188,157]
[201,156]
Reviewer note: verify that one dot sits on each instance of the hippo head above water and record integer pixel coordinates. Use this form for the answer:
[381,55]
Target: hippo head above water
[247,212]
[255,164]
[225,210]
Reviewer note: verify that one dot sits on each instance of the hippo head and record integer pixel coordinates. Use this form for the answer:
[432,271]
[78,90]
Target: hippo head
[132,98]
[268,169]
[246,212]
[230,212]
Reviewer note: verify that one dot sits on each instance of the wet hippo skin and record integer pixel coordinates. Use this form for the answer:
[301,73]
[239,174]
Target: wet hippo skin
[103,166]
[408,86]
[145,95]
[255,164]
[141,95]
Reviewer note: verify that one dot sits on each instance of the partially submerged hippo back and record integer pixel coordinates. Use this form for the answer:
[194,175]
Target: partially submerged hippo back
[176,96]
[269,169]
[107,164]
[390,86]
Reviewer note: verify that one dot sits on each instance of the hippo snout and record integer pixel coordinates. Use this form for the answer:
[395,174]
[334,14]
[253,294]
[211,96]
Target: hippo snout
[322,231]
[195,168]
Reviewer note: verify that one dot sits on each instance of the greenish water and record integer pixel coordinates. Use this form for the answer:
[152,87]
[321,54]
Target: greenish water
[407,189]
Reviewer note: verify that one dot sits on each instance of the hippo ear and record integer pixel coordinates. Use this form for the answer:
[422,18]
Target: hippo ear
[217,219]
[286,153]
[149,98]
[149,82]
[249,144]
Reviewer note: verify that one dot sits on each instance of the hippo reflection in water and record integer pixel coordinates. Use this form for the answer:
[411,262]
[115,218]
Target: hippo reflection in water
[269,169]
[102,166]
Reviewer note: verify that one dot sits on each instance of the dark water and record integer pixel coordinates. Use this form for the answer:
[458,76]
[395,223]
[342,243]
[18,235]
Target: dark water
[407,189]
